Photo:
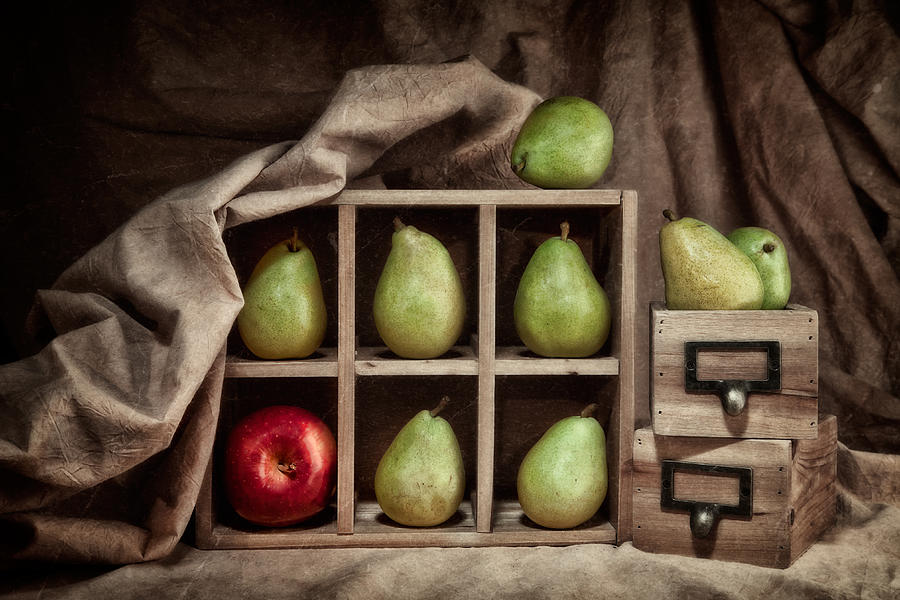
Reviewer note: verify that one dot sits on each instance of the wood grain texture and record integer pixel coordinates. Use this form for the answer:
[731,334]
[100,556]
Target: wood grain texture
[204,513]
[346,367]
[459,360]
[623,412]
[535,392]
[373,530]
[513,198]
[518,360]
[321,364]
[487,277]
[791,413]
[813,486]
[762,540]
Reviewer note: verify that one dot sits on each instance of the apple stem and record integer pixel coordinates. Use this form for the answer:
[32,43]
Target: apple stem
[564,229]
[441,405]
[287,469]
[768,247]
[398,224]
[669,215]
[589,410]
[292,246]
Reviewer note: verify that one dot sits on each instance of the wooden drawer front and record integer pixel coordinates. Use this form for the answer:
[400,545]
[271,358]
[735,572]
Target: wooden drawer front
[793,495]
[788,413]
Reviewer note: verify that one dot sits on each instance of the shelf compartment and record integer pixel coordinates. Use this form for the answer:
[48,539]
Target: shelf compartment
[527,406]
[218,525]
[384,406]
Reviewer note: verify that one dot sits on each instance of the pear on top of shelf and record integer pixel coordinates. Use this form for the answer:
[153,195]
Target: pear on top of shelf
[566,142]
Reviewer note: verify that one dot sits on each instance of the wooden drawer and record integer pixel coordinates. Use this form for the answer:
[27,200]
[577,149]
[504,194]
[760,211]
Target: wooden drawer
[790,495]
[713,348]
[502,396]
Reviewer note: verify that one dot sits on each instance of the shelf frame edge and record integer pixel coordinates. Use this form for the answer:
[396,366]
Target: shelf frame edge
[346,368]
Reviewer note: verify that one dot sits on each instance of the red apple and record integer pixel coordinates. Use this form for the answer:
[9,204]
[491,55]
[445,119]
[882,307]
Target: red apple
[280,466]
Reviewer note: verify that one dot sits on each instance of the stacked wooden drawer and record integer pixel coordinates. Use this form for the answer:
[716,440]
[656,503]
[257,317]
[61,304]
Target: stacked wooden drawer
[738,465]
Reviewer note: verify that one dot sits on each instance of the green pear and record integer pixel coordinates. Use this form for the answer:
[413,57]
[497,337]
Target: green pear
[562,481]
[560,309]
[284,312]
[768,253]
[420,480]
[565,142]
[419,305]
[703,270]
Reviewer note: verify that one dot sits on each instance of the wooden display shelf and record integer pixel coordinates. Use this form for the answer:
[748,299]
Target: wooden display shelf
[497,429]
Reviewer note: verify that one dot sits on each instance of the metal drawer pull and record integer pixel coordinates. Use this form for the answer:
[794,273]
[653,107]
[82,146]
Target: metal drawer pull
[733,392]
[704,515]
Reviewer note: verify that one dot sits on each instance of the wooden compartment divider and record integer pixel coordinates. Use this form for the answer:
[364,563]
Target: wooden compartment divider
[485,519]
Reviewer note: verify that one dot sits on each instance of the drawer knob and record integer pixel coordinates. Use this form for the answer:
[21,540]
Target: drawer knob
[705,515]
[732,392]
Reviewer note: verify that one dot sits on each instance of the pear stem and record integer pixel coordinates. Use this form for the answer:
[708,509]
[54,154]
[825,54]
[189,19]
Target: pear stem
[287,469]
[398,224]
[519,166]
[768,247]
[589,410]
[669,215]
[292,246]
[441,405]
[564,230]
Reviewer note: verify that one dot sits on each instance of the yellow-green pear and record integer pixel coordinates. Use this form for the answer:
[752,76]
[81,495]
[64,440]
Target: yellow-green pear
[562,481]
[565,142]
[703,270]
[420,480]
[419,305]
[560,309]
[284,312]
[768,253]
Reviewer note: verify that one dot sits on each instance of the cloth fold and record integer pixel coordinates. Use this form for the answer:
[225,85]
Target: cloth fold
[106,433]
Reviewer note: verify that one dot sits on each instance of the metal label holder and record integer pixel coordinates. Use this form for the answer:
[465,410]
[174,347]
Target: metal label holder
[704,515]
[733,392]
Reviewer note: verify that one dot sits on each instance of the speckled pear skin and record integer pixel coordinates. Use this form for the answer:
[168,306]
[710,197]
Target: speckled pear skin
[560,309]
[284,313]
[419,305]
[704,271]
[562,481]
[565,142]
[768,253]
[420,480]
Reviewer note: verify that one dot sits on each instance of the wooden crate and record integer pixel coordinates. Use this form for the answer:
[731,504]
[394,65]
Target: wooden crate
[502,396]
[788,412]
[791,495]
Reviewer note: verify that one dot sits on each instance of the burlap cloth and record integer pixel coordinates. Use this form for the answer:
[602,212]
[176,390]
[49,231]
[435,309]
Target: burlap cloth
[784,115]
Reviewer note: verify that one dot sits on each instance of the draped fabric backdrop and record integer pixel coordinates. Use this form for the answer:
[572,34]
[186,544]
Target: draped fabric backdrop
[140,135]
